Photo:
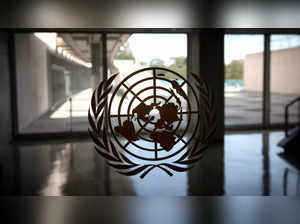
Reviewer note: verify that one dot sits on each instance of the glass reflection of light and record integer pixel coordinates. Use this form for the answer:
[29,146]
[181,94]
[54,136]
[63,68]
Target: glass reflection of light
[48,38]
[157,182]
[59,174]
[80,105]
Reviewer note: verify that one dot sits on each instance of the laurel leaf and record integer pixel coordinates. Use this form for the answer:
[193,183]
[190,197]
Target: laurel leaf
[204,94]
[206,89]
[91,121]
[199,87]
[212,131]
[99,123]
[135,171]
[114,151]
[195,147]
[147,171]
[105,155]
[100,87]
[198,79]
[110,80]
[183,156]
[189,161]
[104,137]
[201,82]
[205,100]
[106,92]
[164,169]
[126,159]
[200,150]
[176,168]
[100,107]
[93,103]
[95,139]
[121,166]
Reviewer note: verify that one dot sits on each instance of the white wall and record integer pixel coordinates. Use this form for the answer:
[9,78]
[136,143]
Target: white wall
[284,68]
[32,78]
[285,71]
[253,72]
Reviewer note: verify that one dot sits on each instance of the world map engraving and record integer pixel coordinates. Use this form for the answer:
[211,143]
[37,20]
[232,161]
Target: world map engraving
[163,132]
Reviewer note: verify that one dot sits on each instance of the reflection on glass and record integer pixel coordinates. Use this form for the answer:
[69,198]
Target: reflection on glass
[243,79]
[127,53]
[59,173]
[130,52]
[55,74]
[285,76]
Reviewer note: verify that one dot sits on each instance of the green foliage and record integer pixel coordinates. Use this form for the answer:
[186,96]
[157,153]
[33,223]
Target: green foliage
[124,56]
[234,70]
[142,63]
[178,66]
[180,62]
[157,62]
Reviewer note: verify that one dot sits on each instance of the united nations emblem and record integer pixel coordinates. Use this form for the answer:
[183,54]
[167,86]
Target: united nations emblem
[152,118]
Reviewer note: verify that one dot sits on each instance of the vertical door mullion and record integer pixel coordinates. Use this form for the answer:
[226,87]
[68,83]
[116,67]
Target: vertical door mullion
[104,55]
[104,73]
[13,85]
[266,81]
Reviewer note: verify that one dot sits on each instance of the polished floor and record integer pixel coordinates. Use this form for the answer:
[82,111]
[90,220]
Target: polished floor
[246,164]
[245,107]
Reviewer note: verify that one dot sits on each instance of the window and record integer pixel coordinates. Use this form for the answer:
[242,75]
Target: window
[243,79]
[246,95]
[285,76]
[56,72]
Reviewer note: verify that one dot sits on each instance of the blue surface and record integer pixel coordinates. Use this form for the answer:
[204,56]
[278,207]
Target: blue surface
[234,83]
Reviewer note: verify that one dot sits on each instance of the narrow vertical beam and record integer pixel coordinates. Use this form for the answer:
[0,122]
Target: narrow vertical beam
[13,85]
[95,49]
[266,84]
[189,55]
[104,55]
[266,164]
[104,73]
[211,67]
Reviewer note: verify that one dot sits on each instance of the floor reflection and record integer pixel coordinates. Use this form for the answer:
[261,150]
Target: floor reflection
[60,169]
[246,164]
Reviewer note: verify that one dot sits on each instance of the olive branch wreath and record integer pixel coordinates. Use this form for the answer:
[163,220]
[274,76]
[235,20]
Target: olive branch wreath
[122,164]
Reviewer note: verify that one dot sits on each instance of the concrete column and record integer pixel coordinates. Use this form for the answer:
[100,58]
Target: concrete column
[96,60]
[207,60]
[211,65]
[207,177]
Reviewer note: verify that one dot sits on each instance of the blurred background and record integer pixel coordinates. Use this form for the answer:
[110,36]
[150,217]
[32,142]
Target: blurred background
[49,76]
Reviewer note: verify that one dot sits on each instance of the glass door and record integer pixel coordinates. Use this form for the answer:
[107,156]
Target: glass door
[55,75]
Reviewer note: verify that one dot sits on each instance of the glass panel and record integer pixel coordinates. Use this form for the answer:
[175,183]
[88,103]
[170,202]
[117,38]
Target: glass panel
[138,100]
[243,79]
[55,76]
[285,76]
[127,53]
